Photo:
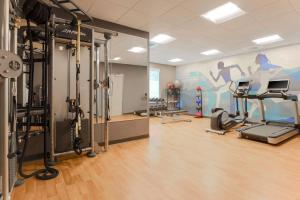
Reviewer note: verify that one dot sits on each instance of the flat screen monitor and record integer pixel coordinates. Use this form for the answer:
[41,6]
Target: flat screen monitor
[279,85]
[243,85]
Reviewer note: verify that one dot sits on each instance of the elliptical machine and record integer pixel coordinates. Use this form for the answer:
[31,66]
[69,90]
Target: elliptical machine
[221,120]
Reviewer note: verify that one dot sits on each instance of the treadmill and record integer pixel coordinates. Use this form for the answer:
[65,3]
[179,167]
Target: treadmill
[273,132]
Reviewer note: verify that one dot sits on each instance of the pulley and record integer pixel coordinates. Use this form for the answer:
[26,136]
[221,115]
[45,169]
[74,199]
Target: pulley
[11,65]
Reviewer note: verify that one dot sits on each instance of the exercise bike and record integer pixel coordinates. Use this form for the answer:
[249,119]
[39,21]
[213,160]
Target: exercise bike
[221,120]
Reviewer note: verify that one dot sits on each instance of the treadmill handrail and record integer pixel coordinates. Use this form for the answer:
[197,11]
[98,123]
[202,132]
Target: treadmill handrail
[281,95]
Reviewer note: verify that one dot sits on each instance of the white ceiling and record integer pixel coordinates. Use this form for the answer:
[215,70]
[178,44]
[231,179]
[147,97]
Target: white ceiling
[181,19]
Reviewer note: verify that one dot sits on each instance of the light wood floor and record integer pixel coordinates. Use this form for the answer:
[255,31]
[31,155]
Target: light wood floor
[179,161]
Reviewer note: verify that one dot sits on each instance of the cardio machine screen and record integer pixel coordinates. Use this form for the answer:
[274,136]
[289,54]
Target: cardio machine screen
[243,85]
[281,85]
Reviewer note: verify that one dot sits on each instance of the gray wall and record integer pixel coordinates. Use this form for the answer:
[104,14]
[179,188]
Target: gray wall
[135,86]
[167,73]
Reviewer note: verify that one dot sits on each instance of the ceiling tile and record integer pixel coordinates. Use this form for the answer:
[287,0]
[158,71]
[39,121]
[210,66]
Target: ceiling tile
[200,7]
[154,8]
[182,20]
[295,3]
[285,23]
[156,26]
[272,10]
[126,3]
[251,5]
[134,19]
[86,5]
[240,23]
[105,10]
[177,15]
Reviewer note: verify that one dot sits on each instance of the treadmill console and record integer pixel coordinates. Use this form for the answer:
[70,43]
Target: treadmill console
[243,87]
[278,86]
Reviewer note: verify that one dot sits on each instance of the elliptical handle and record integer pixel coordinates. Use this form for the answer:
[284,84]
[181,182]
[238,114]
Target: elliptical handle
[230,88]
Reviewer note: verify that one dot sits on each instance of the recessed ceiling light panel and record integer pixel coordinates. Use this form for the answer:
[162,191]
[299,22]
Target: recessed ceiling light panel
[211,52]
[224,13]
[268,39]
[137,50]
[162,39]
[174,60]
[116,58]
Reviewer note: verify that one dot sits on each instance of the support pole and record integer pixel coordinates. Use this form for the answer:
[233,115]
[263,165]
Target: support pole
[51,95]
[97,80]
[13,110]
[262,110]
[296,108]
[106,97]
[4,85]
[91,98]
[69,50]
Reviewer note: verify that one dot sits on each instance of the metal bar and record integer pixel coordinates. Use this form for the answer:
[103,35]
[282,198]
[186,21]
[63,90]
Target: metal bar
[91,98]
[262,110]
[296,108]
[67,41]
[14,49]
[51,95]
[71,152]
[99,41]
[4,85]
[148,79]
[25,61]
[68,78]
[78,102]
[242,106]
[96,29]
[4,136]
[97,80]
[71,11]
[106,97]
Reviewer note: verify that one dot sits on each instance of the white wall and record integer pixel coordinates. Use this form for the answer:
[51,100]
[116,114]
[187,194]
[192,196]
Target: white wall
[167,73]
[135,86]
[286,58]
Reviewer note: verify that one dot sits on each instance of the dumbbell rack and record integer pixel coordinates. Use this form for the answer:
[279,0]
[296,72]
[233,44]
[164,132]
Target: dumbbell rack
[173,99]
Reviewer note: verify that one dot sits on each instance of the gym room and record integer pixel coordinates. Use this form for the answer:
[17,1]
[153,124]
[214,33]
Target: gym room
[149,99]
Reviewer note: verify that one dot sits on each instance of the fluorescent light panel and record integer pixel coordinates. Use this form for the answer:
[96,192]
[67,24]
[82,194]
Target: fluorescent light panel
[268,39]
[162,39]
[211,52]
[224,13]
[116,58]
[137,50]
[174,60]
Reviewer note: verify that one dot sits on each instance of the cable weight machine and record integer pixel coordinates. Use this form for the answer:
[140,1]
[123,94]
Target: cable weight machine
[74,105]
[38,13]
[17,121]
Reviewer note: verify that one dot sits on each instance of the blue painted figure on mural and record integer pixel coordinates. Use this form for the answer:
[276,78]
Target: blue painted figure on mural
[260,78]
[265,72]
[225,74]
[264,65]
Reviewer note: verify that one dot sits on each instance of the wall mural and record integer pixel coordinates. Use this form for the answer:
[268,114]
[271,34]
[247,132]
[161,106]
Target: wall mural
[215,78]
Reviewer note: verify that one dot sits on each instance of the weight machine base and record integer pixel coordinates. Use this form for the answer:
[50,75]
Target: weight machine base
[91,154]
[52,162]
[19,182]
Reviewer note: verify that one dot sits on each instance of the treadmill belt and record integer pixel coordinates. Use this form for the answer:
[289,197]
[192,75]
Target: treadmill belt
[268,131]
